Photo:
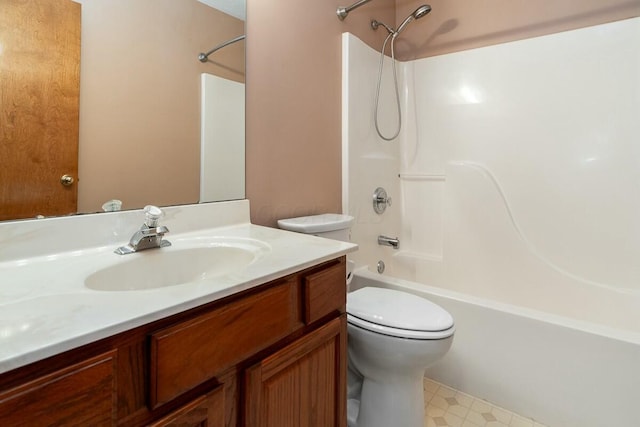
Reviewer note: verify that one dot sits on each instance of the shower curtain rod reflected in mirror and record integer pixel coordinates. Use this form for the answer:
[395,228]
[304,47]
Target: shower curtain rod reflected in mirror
[203,57]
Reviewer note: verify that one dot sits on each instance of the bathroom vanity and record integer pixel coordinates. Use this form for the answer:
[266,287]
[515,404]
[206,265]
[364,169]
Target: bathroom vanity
[265,346]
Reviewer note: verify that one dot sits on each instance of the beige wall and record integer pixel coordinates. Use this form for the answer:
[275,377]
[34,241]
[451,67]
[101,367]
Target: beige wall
[294,79]
[140,97]
[455,25]
[293,103]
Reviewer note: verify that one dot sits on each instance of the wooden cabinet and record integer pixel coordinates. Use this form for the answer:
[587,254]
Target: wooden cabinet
[321,295]
[206,411]
[301,385]
[79,395]
[271,356]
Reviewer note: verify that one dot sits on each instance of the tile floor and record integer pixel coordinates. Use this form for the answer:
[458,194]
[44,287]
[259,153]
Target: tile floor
[446,407]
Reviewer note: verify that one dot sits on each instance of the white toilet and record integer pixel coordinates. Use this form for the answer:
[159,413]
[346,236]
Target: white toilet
[393,337]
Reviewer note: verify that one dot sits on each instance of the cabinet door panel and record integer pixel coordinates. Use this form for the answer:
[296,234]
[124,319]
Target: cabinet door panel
[81,395]
[302,385]
[206,411]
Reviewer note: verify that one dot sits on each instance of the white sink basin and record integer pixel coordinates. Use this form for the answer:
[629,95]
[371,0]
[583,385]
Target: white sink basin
[159,268]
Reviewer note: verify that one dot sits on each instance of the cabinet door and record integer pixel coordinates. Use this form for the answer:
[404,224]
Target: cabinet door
[83,394]
[302,385]
[206,411]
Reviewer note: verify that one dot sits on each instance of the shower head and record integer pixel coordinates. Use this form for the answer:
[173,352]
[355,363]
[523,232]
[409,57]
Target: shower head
[421,11]
[417,14]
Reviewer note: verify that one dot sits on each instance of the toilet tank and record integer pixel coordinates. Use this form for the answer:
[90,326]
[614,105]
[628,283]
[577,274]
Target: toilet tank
[331,226]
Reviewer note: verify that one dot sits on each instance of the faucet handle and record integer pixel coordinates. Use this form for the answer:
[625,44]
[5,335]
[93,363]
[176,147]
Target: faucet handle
[380,200]
[153,214]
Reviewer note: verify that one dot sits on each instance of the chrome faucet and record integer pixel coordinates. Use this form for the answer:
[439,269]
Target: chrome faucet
[389,241]
[149,235]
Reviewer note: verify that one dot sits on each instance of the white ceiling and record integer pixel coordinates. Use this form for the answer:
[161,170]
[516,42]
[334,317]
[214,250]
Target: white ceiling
[236,8]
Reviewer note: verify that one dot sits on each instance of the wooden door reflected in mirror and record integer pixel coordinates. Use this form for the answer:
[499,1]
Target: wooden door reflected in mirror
[40,90]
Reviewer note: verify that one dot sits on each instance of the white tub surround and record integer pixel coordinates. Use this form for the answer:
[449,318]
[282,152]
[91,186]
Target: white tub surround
[515,184]
[513,178]
[369,161]
[45,307]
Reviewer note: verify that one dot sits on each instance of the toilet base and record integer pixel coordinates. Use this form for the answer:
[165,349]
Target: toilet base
[354,390]
[353,408]
[398,404]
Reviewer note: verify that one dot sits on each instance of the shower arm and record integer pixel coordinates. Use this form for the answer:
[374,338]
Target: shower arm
[342,12]
[203,57]
[375,24]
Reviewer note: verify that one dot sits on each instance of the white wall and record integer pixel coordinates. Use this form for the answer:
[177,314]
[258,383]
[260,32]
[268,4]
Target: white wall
[368,162]
[535,142]
[555,120]
[519,172]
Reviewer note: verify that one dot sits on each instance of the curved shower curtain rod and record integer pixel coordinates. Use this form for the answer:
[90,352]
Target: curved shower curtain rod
[203,57]
[342,12]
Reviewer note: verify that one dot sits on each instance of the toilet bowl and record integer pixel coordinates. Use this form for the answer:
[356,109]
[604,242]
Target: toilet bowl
[392,338]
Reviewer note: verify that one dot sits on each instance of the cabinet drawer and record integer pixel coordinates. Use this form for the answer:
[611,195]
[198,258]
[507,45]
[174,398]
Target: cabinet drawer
[80,395]
[325,291]
[189,353]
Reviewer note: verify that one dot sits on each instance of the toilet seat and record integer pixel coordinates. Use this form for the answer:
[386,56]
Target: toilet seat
[398,314]
[399,333]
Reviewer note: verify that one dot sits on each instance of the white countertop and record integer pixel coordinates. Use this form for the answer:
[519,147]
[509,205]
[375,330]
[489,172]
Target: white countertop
[46,309]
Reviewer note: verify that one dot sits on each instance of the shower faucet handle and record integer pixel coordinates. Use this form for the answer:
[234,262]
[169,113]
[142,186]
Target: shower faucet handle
[380,200]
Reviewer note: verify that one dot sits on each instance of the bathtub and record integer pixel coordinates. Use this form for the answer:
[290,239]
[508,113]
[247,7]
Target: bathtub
[560,371]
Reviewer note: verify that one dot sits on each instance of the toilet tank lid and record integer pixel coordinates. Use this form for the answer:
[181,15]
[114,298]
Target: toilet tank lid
[396,309]
[316,223]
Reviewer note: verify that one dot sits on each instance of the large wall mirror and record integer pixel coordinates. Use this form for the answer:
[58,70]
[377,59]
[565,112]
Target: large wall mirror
[121,80]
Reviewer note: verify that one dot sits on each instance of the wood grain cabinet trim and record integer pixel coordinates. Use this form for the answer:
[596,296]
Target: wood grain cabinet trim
[205,411]
[191,352]
[83,394]
[325,292]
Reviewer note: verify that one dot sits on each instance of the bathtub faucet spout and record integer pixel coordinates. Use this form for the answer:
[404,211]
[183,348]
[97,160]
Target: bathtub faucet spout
[389,241]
